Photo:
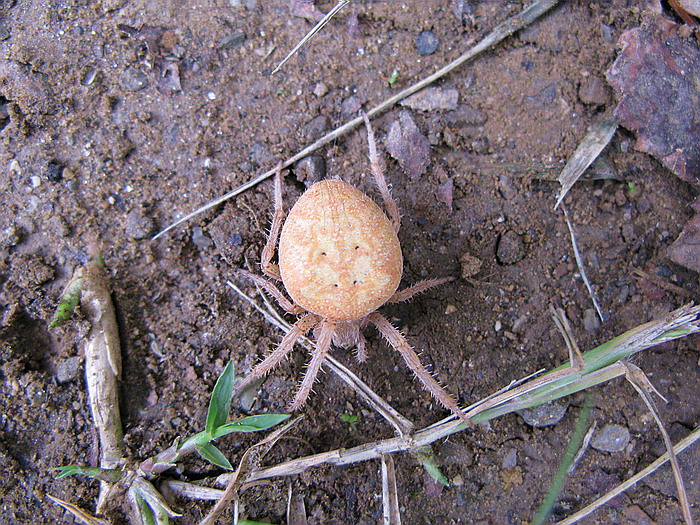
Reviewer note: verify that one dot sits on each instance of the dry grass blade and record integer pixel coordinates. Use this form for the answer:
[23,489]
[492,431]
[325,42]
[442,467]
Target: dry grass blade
[402,425]
[314,30]
[562,324]
[581,267]
[102,368]
[592,144]
[689,440]
[390,495]
[188,490]
[79,514]
[503,30]
[296,509]
[644,388]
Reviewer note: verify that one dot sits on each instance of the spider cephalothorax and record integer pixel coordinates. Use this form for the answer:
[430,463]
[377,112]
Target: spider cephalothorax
[340,260]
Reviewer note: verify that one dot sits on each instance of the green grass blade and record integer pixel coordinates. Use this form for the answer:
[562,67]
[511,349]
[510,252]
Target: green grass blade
[220,403]
[213,455]
[249,424]
[577,436]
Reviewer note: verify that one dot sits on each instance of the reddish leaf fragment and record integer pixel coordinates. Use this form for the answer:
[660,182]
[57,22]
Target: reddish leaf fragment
[408,145]
[657,77]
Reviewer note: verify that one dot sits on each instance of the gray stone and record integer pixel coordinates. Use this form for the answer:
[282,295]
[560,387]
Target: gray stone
[544,415]
[510,249]
[427,43]
[433,99]
[611,438]
[68,370]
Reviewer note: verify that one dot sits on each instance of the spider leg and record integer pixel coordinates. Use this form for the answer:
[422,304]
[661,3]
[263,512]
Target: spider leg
[323,345]
[361,348]
[270,269]
[419,287]
[399,343]
[300,328]
[287,305]
[389,201]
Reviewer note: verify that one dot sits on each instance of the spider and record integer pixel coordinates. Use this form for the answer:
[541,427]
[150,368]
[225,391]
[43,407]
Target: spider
[339,259]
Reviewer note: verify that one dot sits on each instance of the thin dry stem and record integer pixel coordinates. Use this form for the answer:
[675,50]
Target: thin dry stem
[644,388]
[390,495]
[581,267]
[314,30]
[79,514]
[562,323]
[683,444]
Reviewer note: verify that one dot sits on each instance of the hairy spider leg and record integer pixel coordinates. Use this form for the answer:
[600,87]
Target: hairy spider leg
[318,356]
[269,268]
[300,328]
[287,305]
[379,179]
[418,288]
[399,343]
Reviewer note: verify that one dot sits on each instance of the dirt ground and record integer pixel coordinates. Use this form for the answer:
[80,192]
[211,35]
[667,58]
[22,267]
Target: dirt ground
[117,118]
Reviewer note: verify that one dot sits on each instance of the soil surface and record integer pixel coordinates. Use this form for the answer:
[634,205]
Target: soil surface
[117,118]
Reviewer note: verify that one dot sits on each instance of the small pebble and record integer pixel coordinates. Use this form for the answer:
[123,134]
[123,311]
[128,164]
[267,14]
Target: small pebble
[4,32]
[310,170]
[510,459]
[260,154]
[10,236]
[470,265]
[316,127]
[432,99]
[427,43]
[133,80]
[544,415]
[68,370]
[138,225]
[593,91]
[199,239]
[232,40]
[510,249]
[350,106]
[408,145]
[235,239]
[591,321]
[507,188]
[611,438]
[320,89]
[54,171]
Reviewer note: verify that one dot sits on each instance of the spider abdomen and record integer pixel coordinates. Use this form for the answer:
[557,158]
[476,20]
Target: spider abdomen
[339,255]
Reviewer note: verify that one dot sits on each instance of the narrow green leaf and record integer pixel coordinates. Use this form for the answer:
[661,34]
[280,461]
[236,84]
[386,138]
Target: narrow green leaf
[249,424]
[74,470]
[212,454]
[573,447]
[220,403]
